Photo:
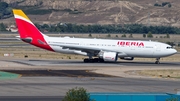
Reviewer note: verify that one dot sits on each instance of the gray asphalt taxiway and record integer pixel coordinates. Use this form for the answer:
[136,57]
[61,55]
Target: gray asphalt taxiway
[35,62]
[56,86]
[53,88]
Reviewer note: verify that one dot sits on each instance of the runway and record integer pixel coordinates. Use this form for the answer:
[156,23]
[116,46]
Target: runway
[31,98]
[56,86]
[12,39]
[35,62]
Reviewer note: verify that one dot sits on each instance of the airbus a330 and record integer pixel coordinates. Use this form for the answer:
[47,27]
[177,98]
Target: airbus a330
[101,49]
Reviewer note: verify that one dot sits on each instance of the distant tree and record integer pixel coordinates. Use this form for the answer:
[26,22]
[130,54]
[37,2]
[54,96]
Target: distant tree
[45,26]
[170,43]
[1,15]
[149,35]
[178,44]
[4,9]
[2,27]
[167,36]
[169,5]
[7,11]
[3,6]
[38,25]
[130,36]
[156,4]
[144,35]
[127,28]
[165,3]
[123,36]
[116,36]
[109,35]
[90,35]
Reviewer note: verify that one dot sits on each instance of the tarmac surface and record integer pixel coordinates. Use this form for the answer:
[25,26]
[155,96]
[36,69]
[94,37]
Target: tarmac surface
[53,78]
[35,62]
[58,86]
[31,98]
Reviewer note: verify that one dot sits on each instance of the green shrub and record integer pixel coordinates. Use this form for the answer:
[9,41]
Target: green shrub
[77,94]
[130,36]
[169,5]
[144,35]
[167,36]
[149,35]
[178,44]
[123,36]
[109,35]
[172,99]
[90,35]
[156,4]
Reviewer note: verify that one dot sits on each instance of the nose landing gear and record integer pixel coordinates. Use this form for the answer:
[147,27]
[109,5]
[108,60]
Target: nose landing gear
[157,61]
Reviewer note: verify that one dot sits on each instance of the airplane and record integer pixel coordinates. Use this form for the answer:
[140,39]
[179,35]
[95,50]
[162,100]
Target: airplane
[104,50]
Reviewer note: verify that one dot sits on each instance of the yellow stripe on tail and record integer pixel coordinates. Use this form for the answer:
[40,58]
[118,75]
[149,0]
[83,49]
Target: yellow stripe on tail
[20,13]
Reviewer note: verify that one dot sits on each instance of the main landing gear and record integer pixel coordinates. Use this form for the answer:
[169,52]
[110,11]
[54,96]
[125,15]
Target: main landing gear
[157,61]
[95,60]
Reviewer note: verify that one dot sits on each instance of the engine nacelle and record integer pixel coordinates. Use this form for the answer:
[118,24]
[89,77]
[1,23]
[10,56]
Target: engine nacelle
[127,58]
[108,56]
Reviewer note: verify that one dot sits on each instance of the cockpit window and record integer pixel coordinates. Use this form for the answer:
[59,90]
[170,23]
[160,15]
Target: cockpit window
[169,47]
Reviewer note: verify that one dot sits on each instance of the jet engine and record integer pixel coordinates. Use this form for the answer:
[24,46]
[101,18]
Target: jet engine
[127,58]
[108,56]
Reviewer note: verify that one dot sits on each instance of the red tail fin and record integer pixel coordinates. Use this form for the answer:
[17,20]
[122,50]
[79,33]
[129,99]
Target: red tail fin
[28,31]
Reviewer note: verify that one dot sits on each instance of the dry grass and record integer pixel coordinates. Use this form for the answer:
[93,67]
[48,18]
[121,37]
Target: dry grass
[168,73]
[37,53]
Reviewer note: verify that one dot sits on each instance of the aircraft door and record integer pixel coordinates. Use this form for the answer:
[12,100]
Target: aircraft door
[157,50]
[158,47]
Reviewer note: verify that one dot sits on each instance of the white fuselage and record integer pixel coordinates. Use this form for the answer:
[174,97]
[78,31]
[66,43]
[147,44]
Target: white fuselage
[124,48]
[104,49]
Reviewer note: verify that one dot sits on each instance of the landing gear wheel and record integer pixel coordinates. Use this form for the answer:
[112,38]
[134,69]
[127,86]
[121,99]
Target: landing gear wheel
[86,60]
[95,60]
[101,60]
[157,61]
[91,61]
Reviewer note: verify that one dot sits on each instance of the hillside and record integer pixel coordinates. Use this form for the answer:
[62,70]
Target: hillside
[101,11]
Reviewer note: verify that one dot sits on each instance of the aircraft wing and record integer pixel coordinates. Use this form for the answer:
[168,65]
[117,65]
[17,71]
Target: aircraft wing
[84,48]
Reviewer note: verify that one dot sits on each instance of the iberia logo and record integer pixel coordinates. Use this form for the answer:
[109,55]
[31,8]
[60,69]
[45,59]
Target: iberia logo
[130,43]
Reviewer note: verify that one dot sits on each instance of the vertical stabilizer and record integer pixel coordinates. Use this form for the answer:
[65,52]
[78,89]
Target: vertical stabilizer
[28,31]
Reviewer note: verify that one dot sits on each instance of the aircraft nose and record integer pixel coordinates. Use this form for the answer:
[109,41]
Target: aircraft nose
[174,51]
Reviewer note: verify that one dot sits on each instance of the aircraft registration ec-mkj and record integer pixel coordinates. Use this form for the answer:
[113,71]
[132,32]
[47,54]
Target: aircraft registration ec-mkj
[102,49]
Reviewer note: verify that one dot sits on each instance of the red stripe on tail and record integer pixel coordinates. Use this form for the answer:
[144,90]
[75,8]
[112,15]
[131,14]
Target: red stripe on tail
[29,31]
